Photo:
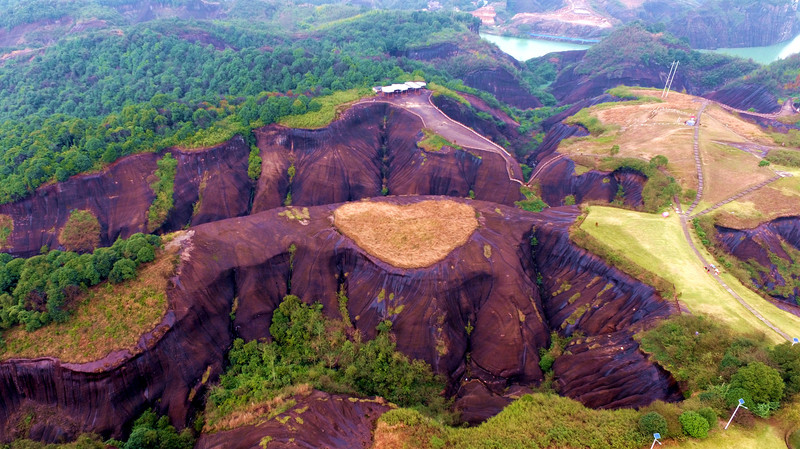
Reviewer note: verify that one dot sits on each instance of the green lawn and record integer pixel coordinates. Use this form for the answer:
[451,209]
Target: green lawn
[658,245]
[762,436]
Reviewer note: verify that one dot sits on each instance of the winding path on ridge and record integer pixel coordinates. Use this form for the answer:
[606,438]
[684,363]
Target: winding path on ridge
[684,217]
[785,110]
[548,161]
[457,133]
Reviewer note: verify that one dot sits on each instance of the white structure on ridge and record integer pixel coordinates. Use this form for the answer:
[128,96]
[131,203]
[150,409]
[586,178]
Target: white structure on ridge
[408,86]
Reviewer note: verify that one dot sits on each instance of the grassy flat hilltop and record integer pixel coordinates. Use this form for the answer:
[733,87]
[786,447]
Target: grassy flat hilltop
[658,244]
[412,236]
[652,126]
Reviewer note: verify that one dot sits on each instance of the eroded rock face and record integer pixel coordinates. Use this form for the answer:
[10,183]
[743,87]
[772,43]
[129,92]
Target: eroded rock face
[765,246]
[558,180]
[371,147]
[572,86]
[581,293]
[500,83]
[482,300]
[437,51]
[120,196]
[745,97]
[325,420]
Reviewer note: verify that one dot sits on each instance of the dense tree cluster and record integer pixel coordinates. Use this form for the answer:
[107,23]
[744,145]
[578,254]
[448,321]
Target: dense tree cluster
[710,358]
[87,101]
[39,289]
[309,348]
[102,72]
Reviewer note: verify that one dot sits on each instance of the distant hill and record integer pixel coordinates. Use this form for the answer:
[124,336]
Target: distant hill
[701,23]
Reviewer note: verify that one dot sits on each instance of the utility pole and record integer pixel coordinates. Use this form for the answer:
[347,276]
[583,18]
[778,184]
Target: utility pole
[670,78]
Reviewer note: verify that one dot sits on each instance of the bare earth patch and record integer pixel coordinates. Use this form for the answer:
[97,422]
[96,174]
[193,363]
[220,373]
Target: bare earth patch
[108,317]
[411,236]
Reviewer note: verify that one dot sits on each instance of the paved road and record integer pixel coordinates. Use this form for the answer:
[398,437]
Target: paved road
[433,118]
[544,164]
[738,195]
[685,216]
[697,162]
[786,109]
[744,304]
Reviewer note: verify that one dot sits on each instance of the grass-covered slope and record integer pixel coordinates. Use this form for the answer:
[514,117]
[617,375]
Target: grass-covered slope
[80,307]
[106,318]
[658,244]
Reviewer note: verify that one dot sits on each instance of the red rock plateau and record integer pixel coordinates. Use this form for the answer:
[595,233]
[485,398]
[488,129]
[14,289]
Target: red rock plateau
[489,282]
[371,146]
[511,294]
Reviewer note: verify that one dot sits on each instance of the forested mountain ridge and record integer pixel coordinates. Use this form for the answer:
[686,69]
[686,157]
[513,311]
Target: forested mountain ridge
[156,85]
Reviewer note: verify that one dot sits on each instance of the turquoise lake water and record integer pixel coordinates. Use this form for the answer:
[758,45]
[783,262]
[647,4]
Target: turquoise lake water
[523,49]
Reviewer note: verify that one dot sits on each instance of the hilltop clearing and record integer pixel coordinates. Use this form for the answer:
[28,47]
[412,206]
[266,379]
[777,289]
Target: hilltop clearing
[653,126]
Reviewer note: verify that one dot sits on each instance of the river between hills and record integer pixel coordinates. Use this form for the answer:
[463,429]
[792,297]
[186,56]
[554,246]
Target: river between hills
[523,49]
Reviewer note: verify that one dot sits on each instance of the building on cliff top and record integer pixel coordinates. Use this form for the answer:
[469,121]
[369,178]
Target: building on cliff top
[412,86]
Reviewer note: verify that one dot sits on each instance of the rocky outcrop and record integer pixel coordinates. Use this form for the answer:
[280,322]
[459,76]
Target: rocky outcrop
[120,195]
[503,85]
[571,85]
[317,420]
[745,97]
[552,138]
[559,180]
[768,248]
[593,367]
[581,293]
[371,147]
[478,315]
[443,50]
[556,131]
[555,173]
